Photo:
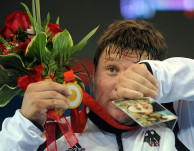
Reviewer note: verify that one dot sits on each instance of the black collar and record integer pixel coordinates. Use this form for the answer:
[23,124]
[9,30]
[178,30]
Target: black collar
[102,124]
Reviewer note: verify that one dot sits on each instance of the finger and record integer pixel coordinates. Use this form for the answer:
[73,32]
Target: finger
[52,95]
[49,86]
[128,93]
[54,103]
[135,86]
[143,71]
[142,80]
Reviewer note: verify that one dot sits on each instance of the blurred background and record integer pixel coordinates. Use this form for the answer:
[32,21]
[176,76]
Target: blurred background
[173,18]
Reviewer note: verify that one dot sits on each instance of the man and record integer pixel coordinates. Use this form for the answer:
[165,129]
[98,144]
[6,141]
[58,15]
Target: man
[117,75]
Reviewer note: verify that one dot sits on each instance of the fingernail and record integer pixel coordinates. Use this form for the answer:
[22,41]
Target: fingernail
[157,85]
[155,94]
[157,91]
[140,95]
[69,92]
[68,101]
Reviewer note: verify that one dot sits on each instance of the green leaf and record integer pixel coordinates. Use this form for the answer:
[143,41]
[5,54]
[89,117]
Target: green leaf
[3,77]
[34,15]
[89,77]
[7,93]
[38,17]
[5,43]
[30,65]
[45,22]
[62,43]
[57,22]
[49,34]
[9,77]
[83,42]
[22,35]
[30,16]
[79,82]
[37,47]
[79,71]
[68,65]
[12,61]
[46,59]
[52,66]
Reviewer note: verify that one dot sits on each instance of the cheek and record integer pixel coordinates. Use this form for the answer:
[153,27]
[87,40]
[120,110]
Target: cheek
[104,87]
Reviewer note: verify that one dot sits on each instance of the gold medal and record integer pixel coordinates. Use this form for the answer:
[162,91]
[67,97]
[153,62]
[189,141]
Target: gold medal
[77,95]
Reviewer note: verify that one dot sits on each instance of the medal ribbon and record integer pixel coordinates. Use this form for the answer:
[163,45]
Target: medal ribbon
[62,122]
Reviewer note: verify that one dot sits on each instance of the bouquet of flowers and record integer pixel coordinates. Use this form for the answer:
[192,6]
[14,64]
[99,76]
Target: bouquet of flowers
[31,51]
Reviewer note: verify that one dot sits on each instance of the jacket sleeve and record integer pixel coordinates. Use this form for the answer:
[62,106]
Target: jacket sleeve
[20,134]
[175,77]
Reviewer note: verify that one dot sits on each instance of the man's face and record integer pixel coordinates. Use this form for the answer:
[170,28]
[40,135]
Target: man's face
[106,79]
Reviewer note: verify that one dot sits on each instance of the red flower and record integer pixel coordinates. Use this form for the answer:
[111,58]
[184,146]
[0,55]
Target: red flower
[23,82]
[2,47]
[22,46]
[35,76]
[36,73]
[6,33]
[5,51]
[54,28]
[13,21]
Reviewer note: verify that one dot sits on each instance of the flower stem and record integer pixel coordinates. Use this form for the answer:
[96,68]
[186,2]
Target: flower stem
[34,15]
[38,15]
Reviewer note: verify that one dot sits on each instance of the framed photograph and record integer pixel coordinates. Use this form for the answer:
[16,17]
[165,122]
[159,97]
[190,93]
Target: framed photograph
[146,112]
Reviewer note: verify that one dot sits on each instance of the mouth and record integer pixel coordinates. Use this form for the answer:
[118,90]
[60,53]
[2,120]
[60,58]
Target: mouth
[115,99]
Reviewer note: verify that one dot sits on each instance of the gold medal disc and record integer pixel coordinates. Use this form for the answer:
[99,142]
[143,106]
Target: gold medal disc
[77,95]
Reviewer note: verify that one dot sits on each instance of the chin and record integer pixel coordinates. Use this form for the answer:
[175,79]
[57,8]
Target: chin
[121,117]
[125,121]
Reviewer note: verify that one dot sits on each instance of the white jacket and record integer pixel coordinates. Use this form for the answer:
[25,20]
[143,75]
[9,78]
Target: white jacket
[176,84]
[19,134]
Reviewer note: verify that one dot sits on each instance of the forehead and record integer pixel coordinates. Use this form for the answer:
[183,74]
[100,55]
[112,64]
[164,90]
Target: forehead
[125,55]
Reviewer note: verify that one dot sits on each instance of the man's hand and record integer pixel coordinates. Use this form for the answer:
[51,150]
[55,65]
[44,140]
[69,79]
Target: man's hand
[137,82]
[42,96]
